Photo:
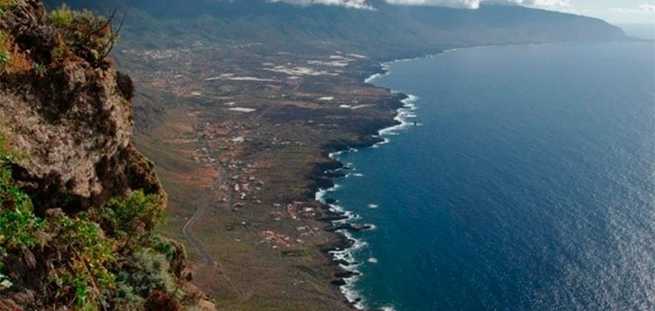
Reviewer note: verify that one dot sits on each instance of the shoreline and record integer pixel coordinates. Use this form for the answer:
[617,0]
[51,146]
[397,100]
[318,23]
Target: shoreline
[342,252]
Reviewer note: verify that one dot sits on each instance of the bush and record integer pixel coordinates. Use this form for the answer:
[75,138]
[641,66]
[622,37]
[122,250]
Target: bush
[19,227]
[62,17]
[132,215]
[87,276]
[18,224]
[152,272]
[86,35]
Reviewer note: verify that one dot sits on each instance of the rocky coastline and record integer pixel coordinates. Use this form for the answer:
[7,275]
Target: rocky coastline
[325,176]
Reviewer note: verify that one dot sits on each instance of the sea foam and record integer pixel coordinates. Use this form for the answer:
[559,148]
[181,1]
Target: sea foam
[404,113]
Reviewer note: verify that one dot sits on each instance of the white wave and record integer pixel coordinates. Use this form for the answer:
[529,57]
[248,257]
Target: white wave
[349,290]
[352,295]
[409,105]
[335,155]
[405,112]
[383,142]
[374,77]
[320,194]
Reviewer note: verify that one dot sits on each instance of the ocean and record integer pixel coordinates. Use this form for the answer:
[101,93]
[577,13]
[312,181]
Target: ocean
[523,179]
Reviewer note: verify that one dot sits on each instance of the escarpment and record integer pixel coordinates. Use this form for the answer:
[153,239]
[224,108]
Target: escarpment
[78,203]
[63,108]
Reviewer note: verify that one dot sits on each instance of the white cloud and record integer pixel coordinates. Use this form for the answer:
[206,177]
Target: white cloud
[474,4]
[642,9]
[467,4]
[356,4]
[647,7]
[545,3]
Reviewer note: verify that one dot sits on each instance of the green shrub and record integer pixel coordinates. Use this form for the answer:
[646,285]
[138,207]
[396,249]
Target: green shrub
[18,224]
[151,271]
[136,212]
[88,276]
[165,247]
[19,227]
[62,17]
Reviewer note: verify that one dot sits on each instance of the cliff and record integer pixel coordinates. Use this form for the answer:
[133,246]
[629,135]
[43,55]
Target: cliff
[78,203]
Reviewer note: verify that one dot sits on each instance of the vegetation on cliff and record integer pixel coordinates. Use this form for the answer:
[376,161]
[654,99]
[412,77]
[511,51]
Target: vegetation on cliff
[78,204]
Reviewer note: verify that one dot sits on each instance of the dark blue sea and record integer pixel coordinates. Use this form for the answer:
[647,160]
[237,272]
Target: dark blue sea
[526,181]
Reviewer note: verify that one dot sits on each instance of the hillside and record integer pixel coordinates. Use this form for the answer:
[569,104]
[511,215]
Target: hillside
[78,203]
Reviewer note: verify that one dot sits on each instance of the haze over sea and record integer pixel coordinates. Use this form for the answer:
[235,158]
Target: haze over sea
[528,184]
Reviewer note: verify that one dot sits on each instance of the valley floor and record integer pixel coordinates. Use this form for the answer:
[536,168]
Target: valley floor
[241,137]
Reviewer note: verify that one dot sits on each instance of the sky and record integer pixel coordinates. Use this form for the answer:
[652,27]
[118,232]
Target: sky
[618,11]
[613,11]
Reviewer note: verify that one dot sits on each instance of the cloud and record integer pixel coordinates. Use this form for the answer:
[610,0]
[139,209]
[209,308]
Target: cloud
[465,4]
[356,4]
[545,3]
[468,4]
[647,7]
[644,9]
[474,4]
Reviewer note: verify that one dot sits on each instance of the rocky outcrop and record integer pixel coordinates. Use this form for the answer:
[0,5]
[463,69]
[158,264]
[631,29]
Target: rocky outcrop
[71,121]
[78,202]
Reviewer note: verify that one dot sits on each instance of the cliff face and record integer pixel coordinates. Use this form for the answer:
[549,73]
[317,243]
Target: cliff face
[71,118]
[78,203]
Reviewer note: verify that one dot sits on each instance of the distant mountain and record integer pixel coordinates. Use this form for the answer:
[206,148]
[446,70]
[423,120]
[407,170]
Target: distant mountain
[387,31]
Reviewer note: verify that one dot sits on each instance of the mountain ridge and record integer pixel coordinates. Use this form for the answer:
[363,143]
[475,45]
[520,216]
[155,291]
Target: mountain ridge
[389,31]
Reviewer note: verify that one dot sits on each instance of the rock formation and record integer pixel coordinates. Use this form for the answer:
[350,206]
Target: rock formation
[78,203]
